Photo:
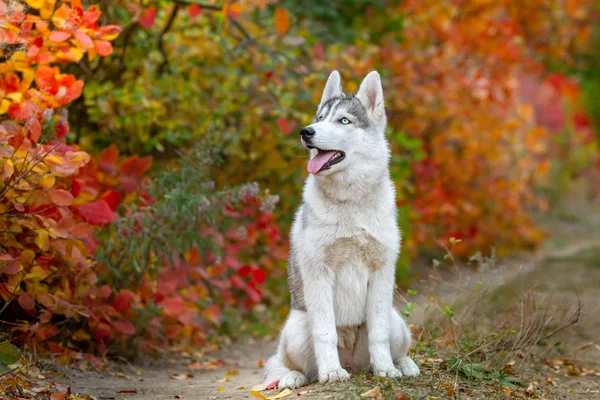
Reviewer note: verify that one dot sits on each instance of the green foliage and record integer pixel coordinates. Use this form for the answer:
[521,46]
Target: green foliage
[9,354]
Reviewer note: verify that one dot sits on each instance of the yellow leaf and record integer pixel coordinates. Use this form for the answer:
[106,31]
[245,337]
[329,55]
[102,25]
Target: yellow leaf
[258,394]
[221,388]
[47,181]
[285,392]
[4,104]
[42,239]
[17,97]
[233,372]
[282,20]
[223,380]
[8,168]
[81,335]
[37,4]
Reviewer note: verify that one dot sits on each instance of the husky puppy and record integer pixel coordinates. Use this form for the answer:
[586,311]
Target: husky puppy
[344,245]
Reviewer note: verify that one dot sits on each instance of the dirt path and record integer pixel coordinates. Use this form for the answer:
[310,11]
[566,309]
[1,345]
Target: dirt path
[575,266]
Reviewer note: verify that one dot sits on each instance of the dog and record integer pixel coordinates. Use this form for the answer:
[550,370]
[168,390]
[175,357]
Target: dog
[345,242]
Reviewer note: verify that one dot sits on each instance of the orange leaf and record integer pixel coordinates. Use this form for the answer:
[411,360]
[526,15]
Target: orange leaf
[84,39]
[26,302]
[233,10]
[103,48]
[61,197]
[282,20]
[58,396]
[173,306]
[35,129]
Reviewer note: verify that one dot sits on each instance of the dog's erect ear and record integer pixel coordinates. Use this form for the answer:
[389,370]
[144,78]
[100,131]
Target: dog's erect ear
[333,87]
[370,94]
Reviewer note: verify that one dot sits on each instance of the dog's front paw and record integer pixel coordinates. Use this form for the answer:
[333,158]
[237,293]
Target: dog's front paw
[334,375]
[292,379]
[388,372]
[408,366]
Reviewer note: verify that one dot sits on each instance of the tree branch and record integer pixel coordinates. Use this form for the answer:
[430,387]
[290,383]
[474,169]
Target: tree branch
[161,42]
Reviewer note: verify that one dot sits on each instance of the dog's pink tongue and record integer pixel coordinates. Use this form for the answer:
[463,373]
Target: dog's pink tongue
[316,163]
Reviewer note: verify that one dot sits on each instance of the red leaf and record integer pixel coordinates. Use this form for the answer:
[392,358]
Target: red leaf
[123,300]
[245,270]
[102,331]
[148,17]
[194,10]
[59,36]
[112,198]
[103,47]
[259,275]
[125,327]
[173,306]
[61,128]
[97,212]
[285,125]
[135,166]
[9,265]
[76,187]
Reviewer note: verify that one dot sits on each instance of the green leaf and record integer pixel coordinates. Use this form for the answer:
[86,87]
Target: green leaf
[9,354]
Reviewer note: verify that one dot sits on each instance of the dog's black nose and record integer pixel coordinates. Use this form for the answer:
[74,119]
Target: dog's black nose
[307,133]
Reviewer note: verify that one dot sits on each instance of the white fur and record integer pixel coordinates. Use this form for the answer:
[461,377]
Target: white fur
[347,252]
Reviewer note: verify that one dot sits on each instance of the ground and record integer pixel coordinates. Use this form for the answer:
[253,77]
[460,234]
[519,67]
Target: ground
[525,327]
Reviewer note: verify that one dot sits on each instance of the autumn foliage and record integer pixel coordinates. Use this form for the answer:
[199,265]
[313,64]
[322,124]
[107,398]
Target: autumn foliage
[94,95]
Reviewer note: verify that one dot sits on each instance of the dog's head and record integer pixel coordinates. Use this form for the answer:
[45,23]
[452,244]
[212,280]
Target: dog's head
[347,132]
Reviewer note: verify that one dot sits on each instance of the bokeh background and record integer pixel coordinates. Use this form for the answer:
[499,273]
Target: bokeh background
[150,164]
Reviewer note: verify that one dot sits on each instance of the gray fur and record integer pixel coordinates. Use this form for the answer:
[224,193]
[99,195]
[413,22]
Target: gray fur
[352,106]
[295,282]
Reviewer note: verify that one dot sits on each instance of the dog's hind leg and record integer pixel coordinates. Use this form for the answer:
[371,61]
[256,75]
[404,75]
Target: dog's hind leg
[400,342]
[294,364]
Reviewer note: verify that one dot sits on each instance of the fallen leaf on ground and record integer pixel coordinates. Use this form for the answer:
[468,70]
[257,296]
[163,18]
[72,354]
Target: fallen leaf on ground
[373,393]
[241,388]
[128,391]
[401,396]
[258,395]
[260,363]
[226,379]
[180,377]
[221,388]
[285,392]
[233,372]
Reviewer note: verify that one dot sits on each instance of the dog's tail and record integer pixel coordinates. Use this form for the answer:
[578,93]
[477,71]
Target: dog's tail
[275,367]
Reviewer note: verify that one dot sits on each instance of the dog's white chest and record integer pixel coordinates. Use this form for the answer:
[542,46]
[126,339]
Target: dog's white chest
[352,259]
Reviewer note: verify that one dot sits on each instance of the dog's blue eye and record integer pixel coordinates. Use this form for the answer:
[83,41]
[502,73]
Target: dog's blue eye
[344,121]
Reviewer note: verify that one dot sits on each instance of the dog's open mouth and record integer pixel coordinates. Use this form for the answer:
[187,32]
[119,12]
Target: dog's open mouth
[324,159]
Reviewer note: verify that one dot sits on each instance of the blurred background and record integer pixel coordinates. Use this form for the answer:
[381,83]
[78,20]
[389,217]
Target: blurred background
[150,163]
